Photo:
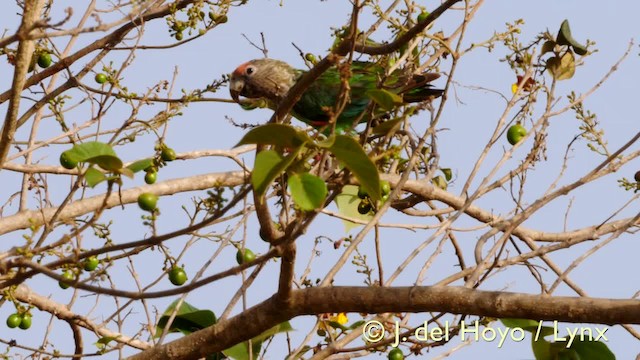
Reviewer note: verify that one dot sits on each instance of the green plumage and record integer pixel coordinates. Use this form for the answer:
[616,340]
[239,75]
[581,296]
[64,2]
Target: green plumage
[271,79]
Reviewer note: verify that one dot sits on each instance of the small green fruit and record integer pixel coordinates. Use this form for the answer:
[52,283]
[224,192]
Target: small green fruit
[67,275]
[67,162]
[168,154]
[395,354]
[245,257]
[148,201]
[14,320]
[44,60]
[321,332]
[177,276]
[151,177]
[91,263]
[26,322]
[179,36]
[310,58]
[516,133]
[101,78]
[364,207]
[385,187]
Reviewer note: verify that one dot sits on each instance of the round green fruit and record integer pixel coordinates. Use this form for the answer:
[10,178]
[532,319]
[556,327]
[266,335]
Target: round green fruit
[310,58]
[148,201]
[91,263]
[516,133]
[25,322]
[177,276]
[395,354]
[67,162]
[245,257]
[168,154]
[67,275]
[44,60]
[385,187]
[101,78]
[151,177]
[14,320]
[179,36]
[364,207]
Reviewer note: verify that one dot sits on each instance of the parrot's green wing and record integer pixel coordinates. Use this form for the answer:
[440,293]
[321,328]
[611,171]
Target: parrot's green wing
[320,98]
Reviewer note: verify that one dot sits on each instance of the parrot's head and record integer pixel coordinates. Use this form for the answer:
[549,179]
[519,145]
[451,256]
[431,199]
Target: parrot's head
[262,78]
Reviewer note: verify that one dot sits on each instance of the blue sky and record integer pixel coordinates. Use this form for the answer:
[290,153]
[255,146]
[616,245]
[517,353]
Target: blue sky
[467,125]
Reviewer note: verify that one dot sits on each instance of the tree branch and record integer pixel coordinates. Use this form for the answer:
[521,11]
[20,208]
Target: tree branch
[399,299]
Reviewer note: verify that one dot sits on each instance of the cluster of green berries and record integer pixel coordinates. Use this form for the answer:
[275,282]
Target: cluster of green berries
[366,205]
[148,201]
[23,321]
[90,264]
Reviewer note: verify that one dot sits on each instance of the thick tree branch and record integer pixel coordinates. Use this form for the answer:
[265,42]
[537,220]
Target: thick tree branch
[458,300]
[24,219]
[26,47]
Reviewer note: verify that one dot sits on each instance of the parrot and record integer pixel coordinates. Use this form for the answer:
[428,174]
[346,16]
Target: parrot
[271,79]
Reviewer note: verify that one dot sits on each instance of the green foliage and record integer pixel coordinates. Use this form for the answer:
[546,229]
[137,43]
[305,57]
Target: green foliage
[269,165]
[562,68]
[308,191]
[241,351]
[579,349]
[189,319]
[565,38]
[385,99]
[352,156]
[275,134]
[347,202]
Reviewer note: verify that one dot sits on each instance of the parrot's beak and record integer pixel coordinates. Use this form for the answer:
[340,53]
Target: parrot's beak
[235,88]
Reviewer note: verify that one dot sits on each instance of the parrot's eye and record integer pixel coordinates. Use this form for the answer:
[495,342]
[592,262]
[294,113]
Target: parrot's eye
[250,70]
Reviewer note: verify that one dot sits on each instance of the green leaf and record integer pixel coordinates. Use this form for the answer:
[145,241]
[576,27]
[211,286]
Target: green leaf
[140,165]
[107,162]
[275,134]
[104,341]
[347,202]
[280,328]
[188,319]
[592,350]
[241,351]
[548,46]
[440,182]
[83,152]
[353,157]
[447,174]
[126,172]
[565,38]
[93,177]
[308,191]
[385,99]
[387,126]
[541,348]
[269,164]
[356,324]
[95,152]
[562,68]
[337,325]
